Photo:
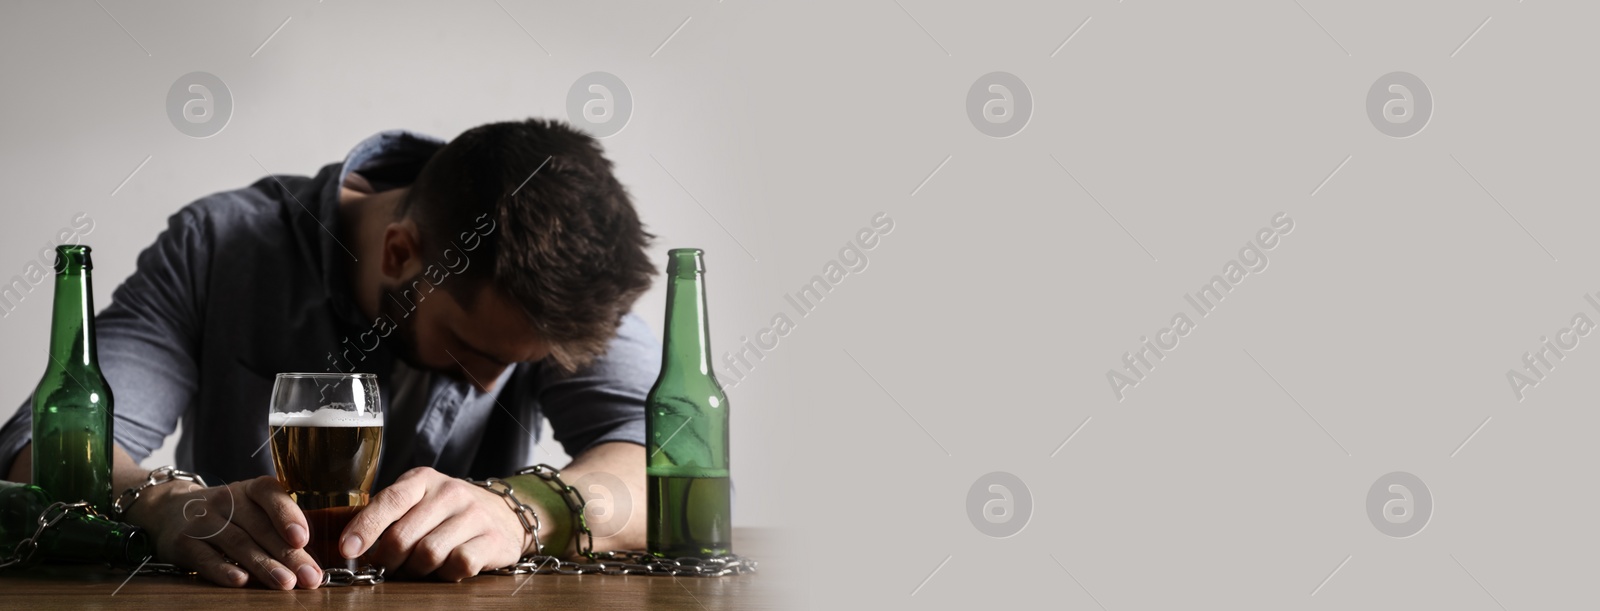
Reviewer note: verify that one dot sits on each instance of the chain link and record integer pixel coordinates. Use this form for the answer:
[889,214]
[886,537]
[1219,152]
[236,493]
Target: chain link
[162,568]
[525,513]
[155,478]
[26,547]
[582,537]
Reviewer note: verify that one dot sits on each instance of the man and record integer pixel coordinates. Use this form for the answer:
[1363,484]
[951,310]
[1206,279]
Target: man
[486,282]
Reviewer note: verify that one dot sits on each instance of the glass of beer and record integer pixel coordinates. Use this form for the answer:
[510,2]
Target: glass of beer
[326,433]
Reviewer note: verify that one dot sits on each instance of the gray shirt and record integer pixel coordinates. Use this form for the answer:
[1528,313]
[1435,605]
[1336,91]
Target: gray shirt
[246,284]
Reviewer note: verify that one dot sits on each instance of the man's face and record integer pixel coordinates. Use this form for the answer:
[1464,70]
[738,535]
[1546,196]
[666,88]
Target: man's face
[475,344]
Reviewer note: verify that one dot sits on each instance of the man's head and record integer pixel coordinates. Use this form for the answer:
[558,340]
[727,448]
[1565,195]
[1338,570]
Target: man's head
[515,243]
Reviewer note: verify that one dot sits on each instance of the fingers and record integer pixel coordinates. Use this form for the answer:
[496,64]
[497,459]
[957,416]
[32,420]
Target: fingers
[237,544]
[385,508]
[307,574]
[234,523]
[435,547]
[467,559]
[397,544]
[427,523]
[203,529]
[286,517]
[210,564]
[284,532]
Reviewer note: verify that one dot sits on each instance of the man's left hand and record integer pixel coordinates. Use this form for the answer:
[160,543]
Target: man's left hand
[431,523]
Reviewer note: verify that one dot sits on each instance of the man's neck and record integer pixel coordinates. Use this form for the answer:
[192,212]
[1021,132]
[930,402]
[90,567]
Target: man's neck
[363,217]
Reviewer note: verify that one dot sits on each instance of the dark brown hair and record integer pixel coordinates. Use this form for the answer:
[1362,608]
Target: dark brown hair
[566,243]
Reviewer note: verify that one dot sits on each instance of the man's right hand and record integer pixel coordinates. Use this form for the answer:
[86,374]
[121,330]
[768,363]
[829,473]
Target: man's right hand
[253,522]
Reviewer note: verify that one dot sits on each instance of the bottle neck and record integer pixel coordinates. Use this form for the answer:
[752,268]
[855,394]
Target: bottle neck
[687,347]
[95,539]
[72,341]
[127,545]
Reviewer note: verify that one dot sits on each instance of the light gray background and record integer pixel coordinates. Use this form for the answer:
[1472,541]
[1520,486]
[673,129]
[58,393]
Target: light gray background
[978,340]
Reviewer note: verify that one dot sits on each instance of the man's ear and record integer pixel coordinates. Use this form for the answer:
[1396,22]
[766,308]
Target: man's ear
[402,251]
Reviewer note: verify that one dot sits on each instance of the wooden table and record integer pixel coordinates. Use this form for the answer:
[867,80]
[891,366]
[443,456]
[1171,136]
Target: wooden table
[91,587]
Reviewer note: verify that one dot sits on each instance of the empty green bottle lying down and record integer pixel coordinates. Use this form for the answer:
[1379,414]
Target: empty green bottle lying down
[78,536]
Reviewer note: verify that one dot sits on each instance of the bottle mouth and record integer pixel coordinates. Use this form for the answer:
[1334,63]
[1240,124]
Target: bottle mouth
[685,262]
[73,257]
[136,548]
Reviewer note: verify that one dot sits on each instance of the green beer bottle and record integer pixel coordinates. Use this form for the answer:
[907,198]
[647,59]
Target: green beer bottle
[76,537]
[72,404]
[686,427]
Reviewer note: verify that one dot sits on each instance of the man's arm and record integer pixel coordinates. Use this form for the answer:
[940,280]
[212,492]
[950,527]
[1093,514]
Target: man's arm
[22,466]
[125,473]
[610,476]
[613,530]
[598,415]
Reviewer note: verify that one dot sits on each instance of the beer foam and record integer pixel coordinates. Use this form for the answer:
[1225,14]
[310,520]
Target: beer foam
[326,417]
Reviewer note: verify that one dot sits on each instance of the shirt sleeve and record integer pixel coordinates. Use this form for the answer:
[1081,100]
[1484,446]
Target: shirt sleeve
[15,434]
[605,401]
[146,341]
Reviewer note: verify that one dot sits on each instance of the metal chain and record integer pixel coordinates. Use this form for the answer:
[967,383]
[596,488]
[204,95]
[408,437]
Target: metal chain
[26,547]
[364,576]
[632,563]
[155,478]
[162,568]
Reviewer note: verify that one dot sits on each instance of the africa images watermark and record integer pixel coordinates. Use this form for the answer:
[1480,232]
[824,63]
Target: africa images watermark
[1252,259]
[37,269]
[852,260]
[1539,363]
